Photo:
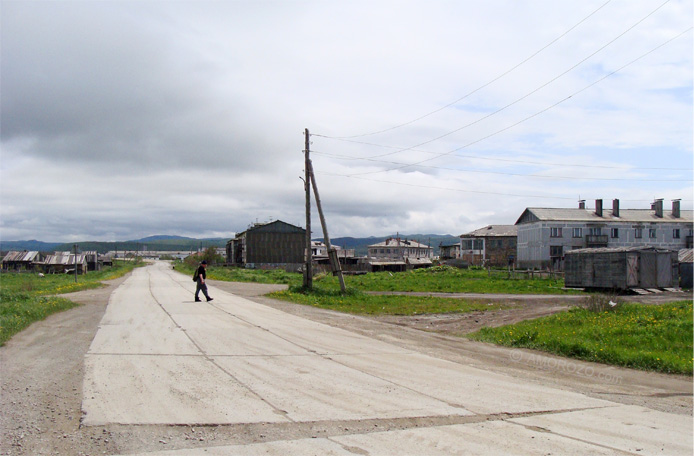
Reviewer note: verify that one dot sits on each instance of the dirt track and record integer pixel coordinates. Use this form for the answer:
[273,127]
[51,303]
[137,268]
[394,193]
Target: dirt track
[42,372]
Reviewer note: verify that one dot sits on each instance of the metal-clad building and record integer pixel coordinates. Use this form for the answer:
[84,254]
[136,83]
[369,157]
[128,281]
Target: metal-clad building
[16,261]
[268,244]
[686,260]
[65,262]
[621,268]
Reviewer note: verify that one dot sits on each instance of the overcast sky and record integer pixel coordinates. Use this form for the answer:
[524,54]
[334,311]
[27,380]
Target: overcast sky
[127,119]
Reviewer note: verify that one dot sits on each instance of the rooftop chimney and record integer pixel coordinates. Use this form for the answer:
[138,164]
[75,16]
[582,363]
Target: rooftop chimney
[615,207]
[676,208]
[581,204]
[657,206]
[598,207]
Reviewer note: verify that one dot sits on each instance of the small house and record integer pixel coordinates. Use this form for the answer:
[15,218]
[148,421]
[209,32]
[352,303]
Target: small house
[20,261]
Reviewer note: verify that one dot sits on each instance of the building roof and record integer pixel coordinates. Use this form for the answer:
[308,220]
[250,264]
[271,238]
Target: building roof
[21,256]
[535,214]
[397,242]
[686,256]
[643,248]
[493,231]
[64,258]
[276,226]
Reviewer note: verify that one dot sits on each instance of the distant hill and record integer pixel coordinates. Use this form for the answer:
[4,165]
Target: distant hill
[167,243]
[32,245]
[163,243]
[360,245]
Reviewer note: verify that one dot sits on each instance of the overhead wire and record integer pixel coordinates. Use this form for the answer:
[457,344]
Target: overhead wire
[534,175]
[513,68]
[524,119]
[517,100]
[459,190]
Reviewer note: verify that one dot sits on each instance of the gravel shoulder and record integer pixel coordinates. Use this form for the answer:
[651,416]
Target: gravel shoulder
[42,368]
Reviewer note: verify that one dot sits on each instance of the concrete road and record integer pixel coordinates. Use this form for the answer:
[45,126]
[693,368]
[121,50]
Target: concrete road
[158,358]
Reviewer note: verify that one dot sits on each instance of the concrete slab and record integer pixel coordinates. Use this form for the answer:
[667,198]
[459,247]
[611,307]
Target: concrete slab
[475,439]
[223,335]
[631,429]
[312,388]
[142,340]
[302,447]
[140,389]
[479,391]
[479,439]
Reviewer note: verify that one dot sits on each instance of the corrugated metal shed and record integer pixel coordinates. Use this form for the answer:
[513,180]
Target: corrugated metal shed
[621,268]
[686,256]
[686,259]
[24,257]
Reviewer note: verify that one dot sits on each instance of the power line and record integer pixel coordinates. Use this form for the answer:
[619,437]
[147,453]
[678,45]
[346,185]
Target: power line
[435,187]
[494,159]
[532,115]
[501,173]
[484,85]
[528,94]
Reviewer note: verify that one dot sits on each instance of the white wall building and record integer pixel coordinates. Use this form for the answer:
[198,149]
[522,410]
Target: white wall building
[545,234]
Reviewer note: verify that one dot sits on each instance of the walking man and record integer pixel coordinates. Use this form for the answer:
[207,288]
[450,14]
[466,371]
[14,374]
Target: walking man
[201,285]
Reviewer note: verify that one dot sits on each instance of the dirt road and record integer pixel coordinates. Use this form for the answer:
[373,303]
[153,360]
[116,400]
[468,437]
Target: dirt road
[43,369]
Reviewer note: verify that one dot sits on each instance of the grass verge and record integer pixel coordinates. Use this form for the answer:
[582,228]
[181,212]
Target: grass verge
[442,279]
[27,298]
[357,302]
[648,337]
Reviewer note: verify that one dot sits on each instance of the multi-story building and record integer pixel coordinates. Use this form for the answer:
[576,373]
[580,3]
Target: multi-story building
[268,245]
[399,254]
[545,234]
[493,245]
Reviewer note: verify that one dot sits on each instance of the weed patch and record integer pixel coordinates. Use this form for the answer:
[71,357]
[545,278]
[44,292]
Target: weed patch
[657,338]
[26,298]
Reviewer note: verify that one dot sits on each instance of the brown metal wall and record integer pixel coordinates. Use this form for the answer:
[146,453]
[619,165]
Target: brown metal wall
[268,247]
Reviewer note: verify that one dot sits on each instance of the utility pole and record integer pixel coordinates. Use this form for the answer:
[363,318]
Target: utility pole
[75,246]
[332,253]
[308,272]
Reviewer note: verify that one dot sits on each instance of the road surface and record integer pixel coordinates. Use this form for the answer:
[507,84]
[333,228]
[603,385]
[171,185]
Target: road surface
[164,375]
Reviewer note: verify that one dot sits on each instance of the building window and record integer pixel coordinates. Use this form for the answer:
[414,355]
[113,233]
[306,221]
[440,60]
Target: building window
[556,250]
[676,233]
[614,233]
[555,232]
[577,232]
[638,233]
[595,231]
[651,233]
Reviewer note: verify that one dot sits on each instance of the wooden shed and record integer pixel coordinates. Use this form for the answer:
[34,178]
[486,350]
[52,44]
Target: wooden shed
[621,268]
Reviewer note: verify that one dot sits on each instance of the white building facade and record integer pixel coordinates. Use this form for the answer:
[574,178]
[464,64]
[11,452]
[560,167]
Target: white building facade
[544,235]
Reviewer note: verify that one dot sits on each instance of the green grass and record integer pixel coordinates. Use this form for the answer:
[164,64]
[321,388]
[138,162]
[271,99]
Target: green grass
[276,276]
[657,338]
[442,279]
[27,298]
[357,302]
[446,279]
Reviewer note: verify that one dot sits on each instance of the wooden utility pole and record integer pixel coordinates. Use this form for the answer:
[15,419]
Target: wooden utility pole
[332,253]
[308,272]
[75,246]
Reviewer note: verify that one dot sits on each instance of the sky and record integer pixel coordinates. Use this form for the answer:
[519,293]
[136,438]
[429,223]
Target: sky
[125,119]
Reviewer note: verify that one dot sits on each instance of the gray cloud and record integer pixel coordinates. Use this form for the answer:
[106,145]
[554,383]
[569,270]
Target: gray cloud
[137,118]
